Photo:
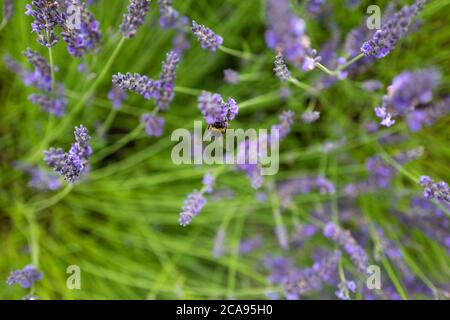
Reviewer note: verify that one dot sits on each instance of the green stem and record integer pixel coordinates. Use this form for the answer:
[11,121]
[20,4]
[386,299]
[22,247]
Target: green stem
[42,205]
[269,97]
[189,91]
[336,72]
[52,69]
[108,121]
[236,53]
[303,86]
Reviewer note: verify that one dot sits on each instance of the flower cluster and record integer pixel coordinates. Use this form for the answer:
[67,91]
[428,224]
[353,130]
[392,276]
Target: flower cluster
[142,85]
[281,70]
[116,95]
[86,36]
[134,18]
[42,77]
[286,34]
[25,277]
[165,94]
[408,90]
[55,104]
[439,191]
[192,206]
[250,244]
[231,76]
[168,16]
[385,39]
[310,116]
[215,110]
[207,38]
[345,240]
[47,18]
[286,121]
[153,124]
[75,162]
[344,288]
[427,116]
[39,179]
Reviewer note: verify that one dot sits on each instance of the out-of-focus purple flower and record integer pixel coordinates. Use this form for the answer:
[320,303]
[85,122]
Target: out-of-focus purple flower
[208,182]
[427,116]
[286,34]
[385,39]
[439,191]
[47,18]
[408,90]
[8,11]
[207,38]
[346,241]
[117,96]
[42,77]
[153,124]
[314,6]
[219,243]
[372,85]
[25,277]
[142,85]
[250,244]
[192,207]
[310,116]
[281,70]
[56,104]
[168,16]
[39,179]
[165,93]
[344,288]
[73,163]
[84,37]
[134,18]
[231,76]
[288,189]
[215,110]
[286,121]
[303,233]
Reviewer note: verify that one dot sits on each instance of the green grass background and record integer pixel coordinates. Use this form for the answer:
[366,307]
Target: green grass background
[121,226]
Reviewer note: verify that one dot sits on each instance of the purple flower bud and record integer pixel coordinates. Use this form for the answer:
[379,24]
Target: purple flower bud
[165,94]
[137,83]
[25,277]
[207,38]
[192,207]
[134,18]
[208,182]
[215,110]
[42,71]
[231,76]
[439,191]
[168,17]
[286,121]
[153,124]
[117,96]
[310,116]
[249,245]
[281,70]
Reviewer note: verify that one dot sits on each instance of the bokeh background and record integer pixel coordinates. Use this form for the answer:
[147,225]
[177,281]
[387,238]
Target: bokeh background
[121,226]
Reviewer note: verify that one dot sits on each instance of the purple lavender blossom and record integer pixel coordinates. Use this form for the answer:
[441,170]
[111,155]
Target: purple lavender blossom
[47,18]
[168,16]
[250,244]
[192,207]
[136,83]
[25,277]
[153,124]
[42,77]
[282,236]
[56,104]
[286,121]
[281,70]
[73,163]
[219,243]
[214,109]
[231,76]
[87,36]
[8,11]
[314,6]
[286,34]
[303,233]
[247,161]
[408,90]
[439,191]
[165,93]
[39,179]
[310,116]
[372,85]
[117,96]
[385,39]
[207,38]
[344,288]
[427,116]
[346,241]
[208,182]
[134,18]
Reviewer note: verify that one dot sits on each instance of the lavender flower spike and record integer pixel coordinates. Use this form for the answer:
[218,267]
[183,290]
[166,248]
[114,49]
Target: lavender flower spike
[168,15]
[286,121]
[345,240]
[153,124]
[8,12]
[207,38]
[137,11]
[73,163]
[385,39]
[439,191]
[137,83]
[46,19]
[215,110]
[42,77]
[192,206]
[25,277]
[165,93]
[281,70]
